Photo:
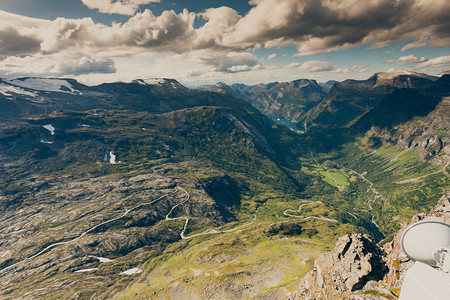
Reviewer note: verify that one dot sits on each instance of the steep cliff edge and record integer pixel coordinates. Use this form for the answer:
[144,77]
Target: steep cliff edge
[360,269]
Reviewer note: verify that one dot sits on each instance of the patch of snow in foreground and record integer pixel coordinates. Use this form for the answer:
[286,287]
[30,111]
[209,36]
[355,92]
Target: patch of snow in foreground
[112,158]
[131,271]
[7,89]
[86,270]
[44,84]
[50,128]
[46,142]
[103,259]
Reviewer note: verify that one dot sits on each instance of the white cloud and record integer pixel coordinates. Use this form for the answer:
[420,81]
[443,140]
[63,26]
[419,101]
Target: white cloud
[314,26]
[233,62]
[409,59]
[122,7]
[351,70]
[327,25]
[168,32]
[316,66]
[272,56]
[437,62]
[56,65]
[220,21]
[291,65]
[84,65]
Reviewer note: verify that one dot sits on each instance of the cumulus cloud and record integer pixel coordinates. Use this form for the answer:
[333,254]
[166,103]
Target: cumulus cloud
[12,42]
[168,32]
[351,70]
[56,65]
[84,65]
[325,25]
[316,66]
[313,25]
[437,62]
[272,56]
[18,66]
[65,33]
[291,65]
[409,59]
[233,62]
[122,7]
[220,21]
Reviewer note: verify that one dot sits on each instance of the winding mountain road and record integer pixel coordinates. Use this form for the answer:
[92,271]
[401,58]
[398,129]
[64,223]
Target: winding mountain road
[309,217]
[208,232]
[87,231]
[369,201]
[182,234]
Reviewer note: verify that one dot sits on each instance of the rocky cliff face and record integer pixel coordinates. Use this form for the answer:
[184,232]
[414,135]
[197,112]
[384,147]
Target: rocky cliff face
[351,99]
[355,261]
[428,134]
[360,269]
[290,100]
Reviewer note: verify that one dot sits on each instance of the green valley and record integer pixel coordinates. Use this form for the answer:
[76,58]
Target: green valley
[196,193]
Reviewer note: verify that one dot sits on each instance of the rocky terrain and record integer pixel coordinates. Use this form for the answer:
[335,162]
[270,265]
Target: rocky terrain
[358,268]
[351,99]
[151,189]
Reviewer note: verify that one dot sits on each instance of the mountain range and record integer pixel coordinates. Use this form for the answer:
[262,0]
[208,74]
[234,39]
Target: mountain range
[288,100]
[151,189]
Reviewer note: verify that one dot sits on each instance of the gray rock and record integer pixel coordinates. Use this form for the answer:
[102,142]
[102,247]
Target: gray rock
[355,261]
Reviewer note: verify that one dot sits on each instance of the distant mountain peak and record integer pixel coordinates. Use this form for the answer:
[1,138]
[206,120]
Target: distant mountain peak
[387,78]
[39,84]
[155,82]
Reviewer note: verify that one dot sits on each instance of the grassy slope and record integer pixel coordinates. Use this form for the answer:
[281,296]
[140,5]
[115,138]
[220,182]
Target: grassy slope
[245,257]
[269,185]
[387,168]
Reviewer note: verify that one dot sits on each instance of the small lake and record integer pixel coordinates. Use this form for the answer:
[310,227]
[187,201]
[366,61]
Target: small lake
[285,122]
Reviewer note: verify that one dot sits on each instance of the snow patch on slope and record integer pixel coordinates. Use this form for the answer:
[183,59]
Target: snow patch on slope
[46,142]
[131,271]
[44,84]
[50,128]
[112,158]
[104,259]
[154,81]
[86,270]
[7,89]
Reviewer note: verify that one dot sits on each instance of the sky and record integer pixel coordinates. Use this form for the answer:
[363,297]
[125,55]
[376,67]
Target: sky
[204,42]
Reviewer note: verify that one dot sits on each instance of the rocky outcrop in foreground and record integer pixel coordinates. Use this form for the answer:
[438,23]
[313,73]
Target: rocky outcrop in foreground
[355,261]
[359,269]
